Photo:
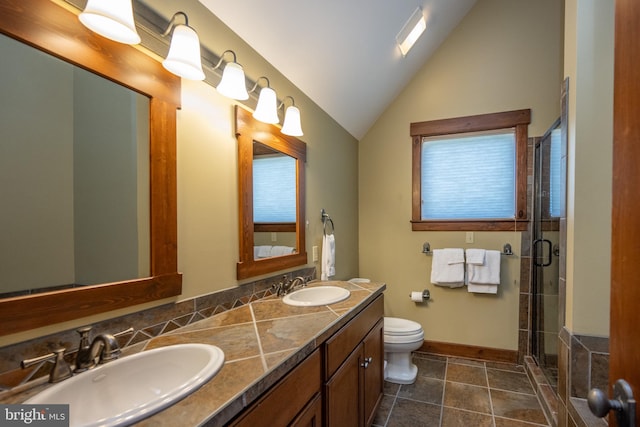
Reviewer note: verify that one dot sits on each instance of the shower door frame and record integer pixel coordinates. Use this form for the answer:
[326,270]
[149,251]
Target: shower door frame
[544,251]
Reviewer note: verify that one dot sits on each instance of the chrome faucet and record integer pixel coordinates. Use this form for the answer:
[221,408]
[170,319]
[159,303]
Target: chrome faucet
[298,281]
[285,285]
[104,347]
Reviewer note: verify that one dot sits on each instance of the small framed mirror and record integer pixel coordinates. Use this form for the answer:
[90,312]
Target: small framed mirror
[271,197]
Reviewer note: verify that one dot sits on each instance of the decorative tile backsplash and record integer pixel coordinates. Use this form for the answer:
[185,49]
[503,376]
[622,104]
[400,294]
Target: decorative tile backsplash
[146,324]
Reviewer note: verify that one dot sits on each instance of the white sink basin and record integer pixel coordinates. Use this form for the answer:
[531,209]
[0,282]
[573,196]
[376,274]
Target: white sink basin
[317,295]
[134,387]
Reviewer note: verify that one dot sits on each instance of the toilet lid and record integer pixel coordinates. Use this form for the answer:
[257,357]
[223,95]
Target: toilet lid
[397,326]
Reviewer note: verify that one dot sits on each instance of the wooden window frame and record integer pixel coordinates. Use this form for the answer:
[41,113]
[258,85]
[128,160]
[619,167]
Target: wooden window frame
[518,120]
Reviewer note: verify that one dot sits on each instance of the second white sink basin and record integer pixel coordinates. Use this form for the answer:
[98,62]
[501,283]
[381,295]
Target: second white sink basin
[131,388]
[317,295]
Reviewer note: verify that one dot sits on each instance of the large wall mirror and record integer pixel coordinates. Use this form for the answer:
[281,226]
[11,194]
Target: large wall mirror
[91,224]
[271,195]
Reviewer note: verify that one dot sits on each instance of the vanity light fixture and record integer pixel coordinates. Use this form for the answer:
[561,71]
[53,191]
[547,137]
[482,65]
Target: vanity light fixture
[183,58]
[291,125]
[112,19]
[233,84]
[267,108]
[411,31]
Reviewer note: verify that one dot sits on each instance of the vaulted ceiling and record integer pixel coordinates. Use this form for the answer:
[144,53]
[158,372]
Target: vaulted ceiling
[341,53]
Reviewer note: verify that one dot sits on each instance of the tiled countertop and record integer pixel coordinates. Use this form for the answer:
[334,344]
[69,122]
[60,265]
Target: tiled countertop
[262,341]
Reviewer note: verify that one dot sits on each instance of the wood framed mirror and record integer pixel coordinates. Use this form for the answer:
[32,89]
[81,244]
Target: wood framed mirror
[53,29]
[255,137]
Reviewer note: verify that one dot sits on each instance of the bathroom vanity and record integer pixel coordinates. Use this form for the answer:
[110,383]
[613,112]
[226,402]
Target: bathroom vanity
[284,365]
[339,384]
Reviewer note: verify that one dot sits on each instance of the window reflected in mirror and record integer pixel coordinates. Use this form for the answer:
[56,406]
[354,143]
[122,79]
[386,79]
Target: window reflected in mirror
[274,202]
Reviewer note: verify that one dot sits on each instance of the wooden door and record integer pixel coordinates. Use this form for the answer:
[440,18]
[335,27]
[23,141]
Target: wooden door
[625,244]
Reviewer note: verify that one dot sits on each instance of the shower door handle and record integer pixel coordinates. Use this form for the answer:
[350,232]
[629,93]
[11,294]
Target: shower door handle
[549,254]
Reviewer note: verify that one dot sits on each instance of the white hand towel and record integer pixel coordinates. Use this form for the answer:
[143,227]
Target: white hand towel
[485,278]
[281,250]
[328,257]
[475,256]
[447,267]
[262,251]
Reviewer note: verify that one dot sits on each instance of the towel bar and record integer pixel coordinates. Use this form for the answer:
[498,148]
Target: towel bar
[506,249]
[326,218]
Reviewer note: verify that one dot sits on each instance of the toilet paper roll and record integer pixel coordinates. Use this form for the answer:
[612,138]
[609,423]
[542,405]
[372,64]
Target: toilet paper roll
[417,296]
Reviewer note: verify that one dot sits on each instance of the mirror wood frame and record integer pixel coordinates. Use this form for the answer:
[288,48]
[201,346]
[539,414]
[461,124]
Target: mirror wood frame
[249,130]
[53,29]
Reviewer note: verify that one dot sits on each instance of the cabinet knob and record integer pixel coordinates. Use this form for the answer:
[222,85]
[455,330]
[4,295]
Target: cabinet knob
[366,362]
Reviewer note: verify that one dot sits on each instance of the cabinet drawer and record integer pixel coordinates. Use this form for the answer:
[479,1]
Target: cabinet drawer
[280,405]
[340,345]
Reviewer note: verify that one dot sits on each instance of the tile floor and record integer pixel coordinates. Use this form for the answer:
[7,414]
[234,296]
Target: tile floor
[456,392]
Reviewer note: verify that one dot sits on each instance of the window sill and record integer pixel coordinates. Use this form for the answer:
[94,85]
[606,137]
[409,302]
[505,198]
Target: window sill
[471,225]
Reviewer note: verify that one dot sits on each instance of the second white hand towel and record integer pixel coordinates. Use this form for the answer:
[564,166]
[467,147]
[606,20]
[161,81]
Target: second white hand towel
[447,267]
[328,257]
[485,278]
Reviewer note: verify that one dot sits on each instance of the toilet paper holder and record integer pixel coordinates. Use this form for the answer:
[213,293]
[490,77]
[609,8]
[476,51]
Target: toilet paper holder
[425,295]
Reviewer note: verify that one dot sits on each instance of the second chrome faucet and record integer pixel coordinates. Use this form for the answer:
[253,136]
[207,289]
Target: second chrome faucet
[104,348]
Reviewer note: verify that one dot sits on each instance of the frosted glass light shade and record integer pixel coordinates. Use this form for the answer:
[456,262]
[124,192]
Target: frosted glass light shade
[233,83]
[183,58]
[112,19]
[267,108]
[292,124]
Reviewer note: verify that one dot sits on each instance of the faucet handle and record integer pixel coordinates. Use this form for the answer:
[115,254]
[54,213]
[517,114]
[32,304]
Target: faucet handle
[60,370]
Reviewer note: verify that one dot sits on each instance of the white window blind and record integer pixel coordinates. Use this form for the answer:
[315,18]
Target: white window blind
[469,176]
[274,189]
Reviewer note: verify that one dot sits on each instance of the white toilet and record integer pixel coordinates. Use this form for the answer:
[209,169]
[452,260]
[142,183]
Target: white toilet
[401,337]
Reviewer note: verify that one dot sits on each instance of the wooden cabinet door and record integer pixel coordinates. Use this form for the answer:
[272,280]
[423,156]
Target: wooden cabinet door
[311,416]
[373,352]
[342,393]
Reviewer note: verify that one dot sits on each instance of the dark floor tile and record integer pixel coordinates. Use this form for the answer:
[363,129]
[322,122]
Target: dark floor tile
[464,361]
[386,404]
[410,413]
[452,417]
[510,381]
[465,396]
[505,422]
[391,388]
[467,374]
[430,367]
[425,389]
[518,406]
[430,356]
[505,366]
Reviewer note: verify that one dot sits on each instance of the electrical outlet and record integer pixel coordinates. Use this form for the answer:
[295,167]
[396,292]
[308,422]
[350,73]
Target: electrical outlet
[314,252]
[469,237]
[274,237]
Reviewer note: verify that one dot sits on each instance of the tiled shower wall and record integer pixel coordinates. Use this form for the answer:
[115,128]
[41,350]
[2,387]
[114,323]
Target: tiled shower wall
[583,361]
[146,324]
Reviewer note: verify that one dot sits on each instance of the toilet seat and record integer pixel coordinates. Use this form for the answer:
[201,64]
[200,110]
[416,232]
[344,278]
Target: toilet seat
[396,326]
[402,331]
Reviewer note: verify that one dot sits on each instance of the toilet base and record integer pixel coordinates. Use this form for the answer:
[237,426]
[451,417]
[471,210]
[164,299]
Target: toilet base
[399,369]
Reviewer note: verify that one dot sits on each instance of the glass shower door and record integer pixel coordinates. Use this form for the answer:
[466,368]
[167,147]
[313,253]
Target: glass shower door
[545,240]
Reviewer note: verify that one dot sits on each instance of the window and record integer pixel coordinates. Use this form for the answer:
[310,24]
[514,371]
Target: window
[274,189]
[469,173]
